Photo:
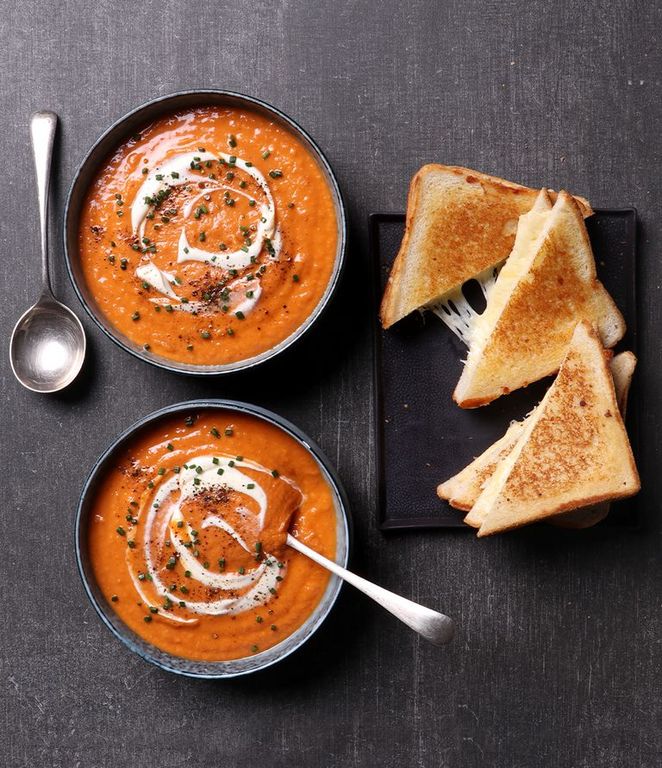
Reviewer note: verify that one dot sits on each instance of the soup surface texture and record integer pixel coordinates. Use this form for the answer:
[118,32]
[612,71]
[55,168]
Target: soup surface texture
[187,532]
[210,236]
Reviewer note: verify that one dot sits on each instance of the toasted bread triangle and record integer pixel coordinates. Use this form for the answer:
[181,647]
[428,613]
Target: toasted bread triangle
[546,287]
[462,490]
[574,450]
[460,223]
[622,369]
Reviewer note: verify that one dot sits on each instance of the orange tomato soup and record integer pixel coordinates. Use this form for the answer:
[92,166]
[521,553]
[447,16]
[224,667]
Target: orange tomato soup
[187,532]
[210,236]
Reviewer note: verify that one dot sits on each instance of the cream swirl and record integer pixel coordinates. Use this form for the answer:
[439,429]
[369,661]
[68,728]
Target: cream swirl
[164,525]
[182,170]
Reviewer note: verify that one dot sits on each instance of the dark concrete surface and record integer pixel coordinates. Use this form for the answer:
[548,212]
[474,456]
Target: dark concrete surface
[557,656]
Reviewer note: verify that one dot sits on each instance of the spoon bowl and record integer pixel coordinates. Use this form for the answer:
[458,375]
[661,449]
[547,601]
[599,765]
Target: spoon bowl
[47,346]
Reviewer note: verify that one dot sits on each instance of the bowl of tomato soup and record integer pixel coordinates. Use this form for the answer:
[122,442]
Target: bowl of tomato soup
[180,538]
[205,232]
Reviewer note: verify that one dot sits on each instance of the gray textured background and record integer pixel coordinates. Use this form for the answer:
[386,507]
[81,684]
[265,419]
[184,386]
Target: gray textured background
[557,658]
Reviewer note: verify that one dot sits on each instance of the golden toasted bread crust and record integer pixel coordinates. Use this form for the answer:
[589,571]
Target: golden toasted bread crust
[576,454]
[459,223]
[622,369]
[532,332]
[462,490]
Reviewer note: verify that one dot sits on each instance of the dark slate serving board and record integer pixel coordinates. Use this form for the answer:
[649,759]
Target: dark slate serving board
[422,437]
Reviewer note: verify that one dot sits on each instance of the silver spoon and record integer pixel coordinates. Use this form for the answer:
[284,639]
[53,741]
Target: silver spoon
[47,345]
[433,626]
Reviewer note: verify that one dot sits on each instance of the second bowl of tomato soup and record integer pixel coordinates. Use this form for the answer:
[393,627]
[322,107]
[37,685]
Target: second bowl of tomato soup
[205,232]
[181,538]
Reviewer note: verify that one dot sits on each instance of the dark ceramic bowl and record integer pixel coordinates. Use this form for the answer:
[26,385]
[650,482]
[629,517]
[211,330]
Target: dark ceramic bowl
[149,652]
[122,130]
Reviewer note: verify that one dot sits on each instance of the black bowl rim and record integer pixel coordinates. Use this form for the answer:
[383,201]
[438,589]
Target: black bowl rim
[296,335]
[241,407]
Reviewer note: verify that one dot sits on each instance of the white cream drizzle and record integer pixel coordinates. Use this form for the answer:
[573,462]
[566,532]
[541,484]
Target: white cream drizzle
[266,228]
[157,278]
[260,583]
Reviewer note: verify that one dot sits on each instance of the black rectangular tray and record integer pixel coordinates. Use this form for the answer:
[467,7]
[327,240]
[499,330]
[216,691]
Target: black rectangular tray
[422,436]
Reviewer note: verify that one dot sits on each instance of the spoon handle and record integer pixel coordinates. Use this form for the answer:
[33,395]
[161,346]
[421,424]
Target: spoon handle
[433,626]
[42,130]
